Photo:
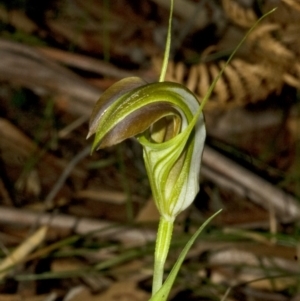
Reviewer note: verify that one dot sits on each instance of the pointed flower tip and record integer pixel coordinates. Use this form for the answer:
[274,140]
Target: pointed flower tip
[108,118]
[88,135]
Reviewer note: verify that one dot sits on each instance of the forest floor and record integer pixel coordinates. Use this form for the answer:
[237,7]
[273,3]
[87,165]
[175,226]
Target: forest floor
[76,226]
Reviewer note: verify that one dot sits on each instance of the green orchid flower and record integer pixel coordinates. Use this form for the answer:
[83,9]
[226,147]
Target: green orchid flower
[160,116]
[167,120]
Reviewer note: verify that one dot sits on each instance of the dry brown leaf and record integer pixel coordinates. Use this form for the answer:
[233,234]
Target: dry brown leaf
[293,3]
[124,291]
[119,291]
[20,297]
[148,213]
[252,268]
[102,195]
[22,251]
[18,19]
[133,271]
[66,264]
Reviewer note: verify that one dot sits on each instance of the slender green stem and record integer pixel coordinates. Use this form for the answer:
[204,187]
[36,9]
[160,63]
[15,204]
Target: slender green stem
[168,46]
[163,241]
[165,228]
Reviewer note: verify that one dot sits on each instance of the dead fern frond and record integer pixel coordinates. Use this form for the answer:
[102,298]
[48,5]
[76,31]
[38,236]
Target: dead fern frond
[235,84]
[271,59]
[287,12]
[241,83]
[193,79]
[204,80]
[266,47]
[290,38]
[291,80]
[244,17]
[292,77]
[220,92]
[175,72]
[260,80]
[293,3]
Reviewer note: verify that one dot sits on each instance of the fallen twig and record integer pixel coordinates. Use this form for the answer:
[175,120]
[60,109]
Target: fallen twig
[25,66]
[256,188]
[83,226]
[65,174]
[22,251]
[84,63]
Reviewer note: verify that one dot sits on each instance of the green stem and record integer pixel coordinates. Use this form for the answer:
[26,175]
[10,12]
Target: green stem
[168,46]
[163,241]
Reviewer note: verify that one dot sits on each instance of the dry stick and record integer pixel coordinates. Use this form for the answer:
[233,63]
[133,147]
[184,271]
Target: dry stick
[63,177]
[25,66]
[31,69]
[81,226]
[22,251]
[84,62]
[260,191]
[63,133]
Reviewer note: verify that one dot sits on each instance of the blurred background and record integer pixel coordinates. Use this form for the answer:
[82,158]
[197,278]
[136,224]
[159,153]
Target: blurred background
[75,225]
